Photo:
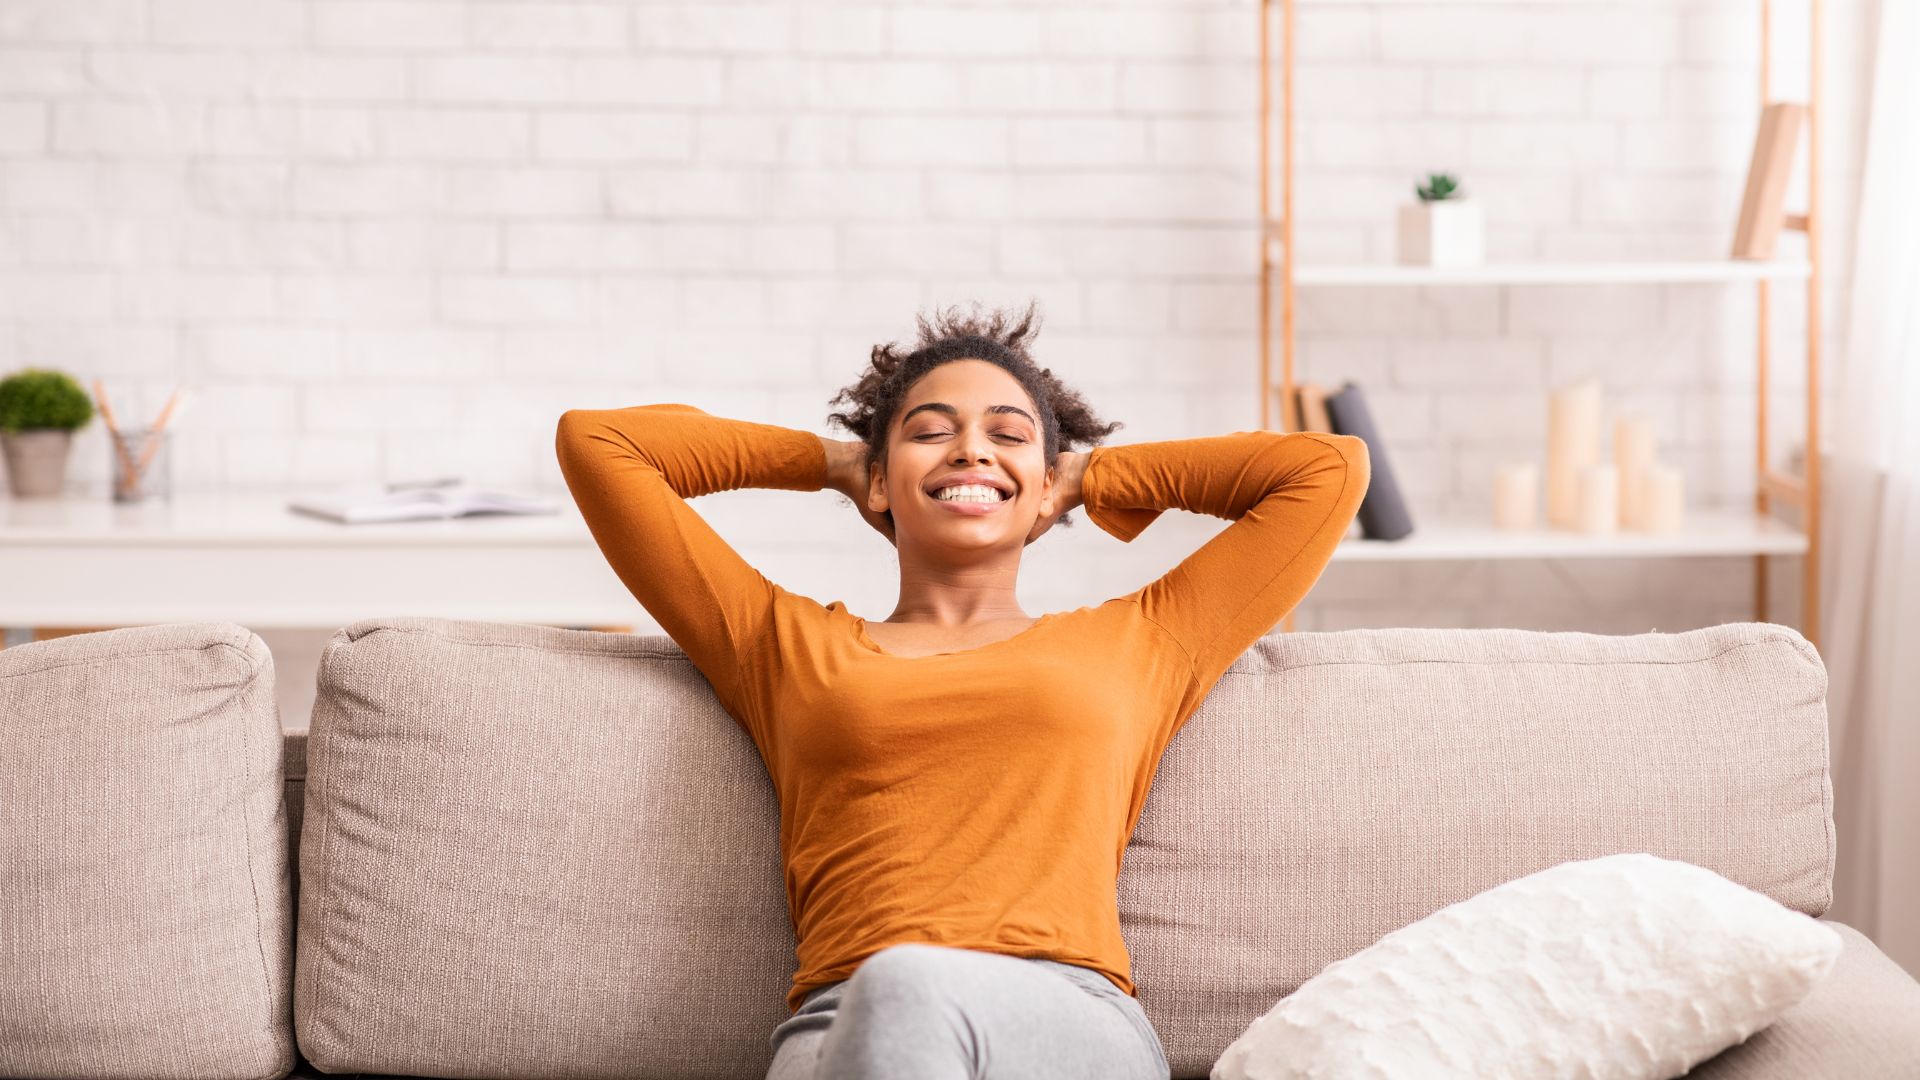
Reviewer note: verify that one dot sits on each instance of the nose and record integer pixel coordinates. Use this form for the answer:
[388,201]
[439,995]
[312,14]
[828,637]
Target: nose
[973,446]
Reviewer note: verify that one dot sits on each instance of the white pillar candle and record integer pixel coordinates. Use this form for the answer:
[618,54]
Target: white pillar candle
[1597,500]
[1573,443]
[1662,498]
[1633,451]
[1515,495]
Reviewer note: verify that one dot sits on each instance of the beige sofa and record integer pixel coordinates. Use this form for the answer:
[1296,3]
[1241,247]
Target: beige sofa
[532,852]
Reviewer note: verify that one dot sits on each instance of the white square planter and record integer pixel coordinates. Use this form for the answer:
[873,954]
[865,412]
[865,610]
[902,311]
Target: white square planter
[1447,232]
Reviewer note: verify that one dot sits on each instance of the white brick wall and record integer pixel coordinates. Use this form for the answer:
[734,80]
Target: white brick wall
[391,237]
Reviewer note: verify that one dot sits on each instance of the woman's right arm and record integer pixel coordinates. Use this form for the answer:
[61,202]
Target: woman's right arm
[631,471]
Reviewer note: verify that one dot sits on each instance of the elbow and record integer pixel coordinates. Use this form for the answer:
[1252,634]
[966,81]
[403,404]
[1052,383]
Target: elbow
[566,432]
[572,420]
[1339,452]
[572,434]
[1343,469]
[1357,464]
[576,426]
[1354,455]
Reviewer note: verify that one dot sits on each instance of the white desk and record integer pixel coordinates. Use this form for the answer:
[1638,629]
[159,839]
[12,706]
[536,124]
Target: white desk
[86,562]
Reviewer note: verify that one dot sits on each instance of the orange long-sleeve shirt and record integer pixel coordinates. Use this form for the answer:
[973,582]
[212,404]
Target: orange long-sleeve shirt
[980,798]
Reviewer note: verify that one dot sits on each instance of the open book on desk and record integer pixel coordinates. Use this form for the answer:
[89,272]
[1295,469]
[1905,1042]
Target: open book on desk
[415,500]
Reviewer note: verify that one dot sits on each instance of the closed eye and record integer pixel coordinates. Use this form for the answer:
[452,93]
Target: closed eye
[937,434]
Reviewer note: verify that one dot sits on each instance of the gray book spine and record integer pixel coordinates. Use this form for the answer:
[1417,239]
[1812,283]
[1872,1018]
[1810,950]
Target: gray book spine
[1383,513]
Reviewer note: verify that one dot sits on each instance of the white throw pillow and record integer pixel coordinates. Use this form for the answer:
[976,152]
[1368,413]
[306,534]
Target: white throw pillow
[1628,966]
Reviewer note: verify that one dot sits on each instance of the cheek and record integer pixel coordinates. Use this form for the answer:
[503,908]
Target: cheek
[1033,481]
[903,471]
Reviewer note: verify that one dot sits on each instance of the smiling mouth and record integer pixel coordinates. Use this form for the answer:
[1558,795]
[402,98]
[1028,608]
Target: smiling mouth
[973,504]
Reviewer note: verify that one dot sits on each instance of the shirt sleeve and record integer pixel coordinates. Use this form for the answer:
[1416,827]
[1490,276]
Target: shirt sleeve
[1291,497]
[631,471]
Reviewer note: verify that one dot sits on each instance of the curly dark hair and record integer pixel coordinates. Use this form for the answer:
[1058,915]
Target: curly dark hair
[1000,338]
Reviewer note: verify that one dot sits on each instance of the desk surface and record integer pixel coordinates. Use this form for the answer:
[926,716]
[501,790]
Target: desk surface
[246,558]
[263,519]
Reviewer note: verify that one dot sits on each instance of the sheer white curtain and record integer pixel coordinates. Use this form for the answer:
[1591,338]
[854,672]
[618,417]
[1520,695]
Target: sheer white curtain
[1870,567]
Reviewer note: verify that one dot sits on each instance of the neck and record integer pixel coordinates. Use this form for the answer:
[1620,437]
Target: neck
[949,596]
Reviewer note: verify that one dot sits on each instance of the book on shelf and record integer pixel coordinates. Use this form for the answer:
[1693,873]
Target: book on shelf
[1313,409]
[1383,514]
[1762,205]
[1305,410]
[448,497]
[1289,408]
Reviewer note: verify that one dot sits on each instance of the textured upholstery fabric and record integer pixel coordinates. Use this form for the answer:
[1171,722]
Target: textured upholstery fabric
[144,921]
[533,852]
[1340,785]
[1857,1024]
[530,850]
[152,965]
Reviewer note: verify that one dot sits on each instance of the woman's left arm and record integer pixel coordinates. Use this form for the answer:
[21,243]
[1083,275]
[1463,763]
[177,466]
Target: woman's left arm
[1291,497]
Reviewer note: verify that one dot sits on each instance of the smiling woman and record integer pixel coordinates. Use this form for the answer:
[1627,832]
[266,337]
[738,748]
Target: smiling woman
[963,775]
[967,377]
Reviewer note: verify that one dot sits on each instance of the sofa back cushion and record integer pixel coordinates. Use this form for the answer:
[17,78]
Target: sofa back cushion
[532,851]
[1340,785]
[144,922]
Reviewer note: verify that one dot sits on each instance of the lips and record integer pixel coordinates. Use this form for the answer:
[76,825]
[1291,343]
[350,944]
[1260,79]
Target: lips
[970,506]
[988,479]
[974,508]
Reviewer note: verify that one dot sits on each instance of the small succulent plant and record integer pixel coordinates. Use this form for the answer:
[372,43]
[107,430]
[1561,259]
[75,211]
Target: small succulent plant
[35,398]
[1438,186]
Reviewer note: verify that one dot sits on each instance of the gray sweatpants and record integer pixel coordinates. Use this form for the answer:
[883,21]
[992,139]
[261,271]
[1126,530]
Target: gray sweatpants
[934,1012]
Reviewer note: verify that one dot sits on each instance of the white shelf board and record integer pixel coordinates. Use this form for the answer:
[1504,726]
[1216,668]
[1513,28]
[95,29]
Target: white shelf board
[1703,532]
[1549,273]
[1456,4]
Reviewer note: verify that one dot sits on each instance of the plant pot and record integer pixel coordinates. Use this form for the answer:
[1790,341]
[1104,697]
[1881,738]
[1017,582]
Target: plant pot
[36,461]
[1445,232]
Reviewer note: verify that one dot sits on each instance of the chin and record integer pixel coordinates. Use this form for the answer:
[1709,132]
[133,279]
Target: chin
[965,536]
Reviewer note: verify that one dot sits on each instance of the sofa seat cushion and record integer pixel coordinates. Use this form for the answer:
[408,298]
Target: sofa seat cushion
[144,921]
[1858,1023]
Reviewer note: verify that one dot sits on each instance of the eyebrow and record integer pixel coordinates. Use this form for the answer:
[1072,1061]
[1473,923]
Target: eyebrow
[941,406]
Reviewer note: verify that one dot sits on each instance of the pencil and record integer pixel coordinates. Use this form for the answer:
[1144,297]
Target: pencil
[113,430]
[159,426]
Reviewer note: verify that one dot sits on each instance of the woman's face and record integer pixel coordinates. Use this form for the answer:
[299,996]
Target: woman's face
[964,417]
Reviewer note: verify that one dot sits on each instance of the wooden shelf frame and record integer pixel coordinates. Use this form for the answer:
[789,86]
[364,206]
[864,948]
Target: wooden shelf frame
[1279,271]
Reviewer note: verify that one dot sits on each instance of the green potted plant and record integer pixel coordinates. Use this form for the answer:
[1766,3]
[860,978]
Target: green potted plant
[39,411]
[1444,228]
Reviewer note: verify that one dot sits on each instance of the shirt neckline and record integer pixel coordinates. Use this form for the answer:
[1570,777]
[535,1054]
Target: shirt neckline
[860,633]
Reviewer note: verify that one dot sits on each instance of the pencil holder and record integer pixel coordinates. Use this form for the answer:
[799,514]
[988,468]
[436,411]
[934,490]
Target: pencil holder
[142,467]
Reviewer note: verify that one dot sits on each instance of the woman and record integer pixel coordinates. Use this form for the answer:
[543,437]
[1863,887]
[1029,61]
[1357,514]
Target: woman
[957,783]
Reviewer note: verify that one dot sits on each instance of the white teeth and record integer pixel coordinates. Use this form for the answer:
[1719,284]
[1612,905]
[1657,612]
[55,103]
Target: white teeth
[969,493]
